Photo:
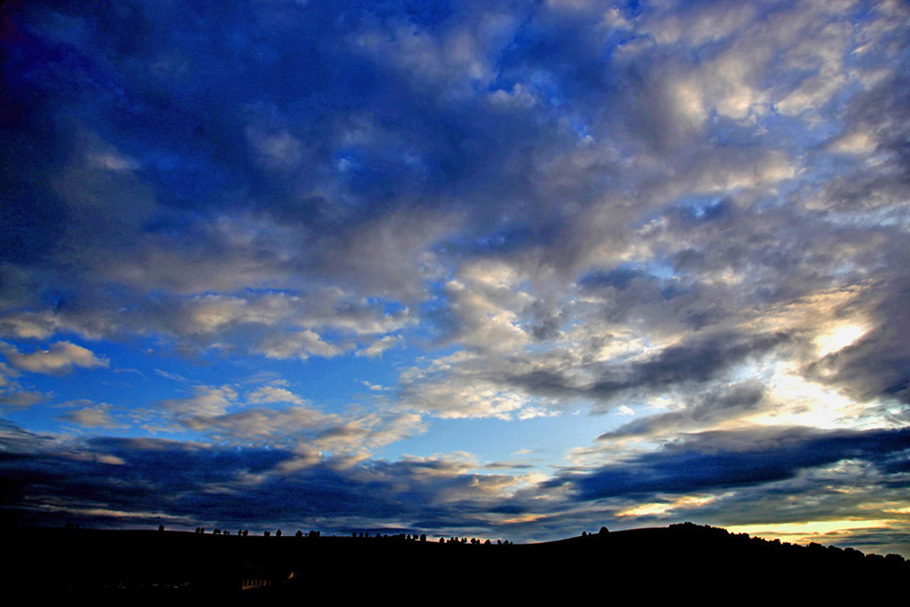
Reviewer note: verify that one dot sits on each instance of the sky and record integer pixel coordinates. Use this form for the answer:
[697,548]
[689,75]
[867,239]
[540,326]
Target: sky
[497,269]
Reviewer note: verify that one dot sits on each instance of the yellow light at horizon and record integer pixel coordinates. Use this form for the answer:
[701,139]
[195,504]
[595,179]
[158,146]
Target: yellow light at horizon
[807,531]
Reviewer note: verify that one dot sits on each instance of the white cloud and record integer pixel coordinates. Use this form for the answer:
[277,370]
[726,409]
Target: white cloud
[488,301]
[374,387]
[379,346]
[463,386]
[274,394]
[260,423]
[97,416]
[857,142]
[59,359]
[371,431]
[207,401]
[453,400]
[301,344]
[701,25]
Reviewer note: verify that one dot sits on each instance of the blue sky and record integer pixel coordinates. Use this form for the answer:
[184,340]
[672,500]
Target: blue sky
[495,269]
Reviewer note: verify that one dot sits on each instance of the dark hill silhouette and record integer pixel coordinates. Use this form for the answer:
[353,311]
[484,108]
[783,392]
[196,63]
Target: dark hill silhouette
[658,562]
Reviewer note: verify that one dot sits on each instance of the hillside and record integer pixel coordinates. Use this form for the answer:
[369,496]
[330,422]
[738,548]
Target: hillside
[655,561]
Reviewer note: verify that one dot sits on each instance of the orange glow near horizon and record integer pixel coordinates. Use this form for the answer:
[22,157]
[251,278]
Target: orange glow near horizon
[810,531]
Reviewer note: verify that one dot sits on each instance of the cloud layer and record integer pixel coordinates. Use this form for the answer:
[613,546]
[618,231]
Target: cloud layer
[458,265]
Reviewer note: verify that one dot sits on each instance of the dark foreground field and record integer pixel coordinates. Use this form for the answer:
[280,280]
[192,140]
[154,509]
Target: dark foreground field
[681,560]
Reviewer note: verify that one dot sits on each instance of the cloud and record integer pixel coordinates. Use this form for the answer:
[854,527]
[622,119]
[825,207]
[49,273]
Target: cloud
[173,376]
[379,346]
[731,459]
[274,394]
[96,416]
[698,361]
[206,401]
[59,359]
[258,423]
[19,398]
[693,212]
[268,411]
[16,440]
[708,410]
[407,493]
[273,415]
[300,345]
[456,387]
[12,394]
[359,435]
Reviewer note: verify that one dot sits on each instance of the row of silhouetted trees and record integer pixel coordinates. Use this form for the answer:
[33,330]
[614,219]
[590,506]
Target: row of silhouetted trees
[246,532]
[408,537]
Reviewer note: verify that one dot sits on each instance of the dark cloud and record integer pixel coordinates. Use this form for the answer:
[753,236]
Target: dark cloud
[708,409]
[14,439]
[239,486]
[877,365]
[697,361]
[730,459]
